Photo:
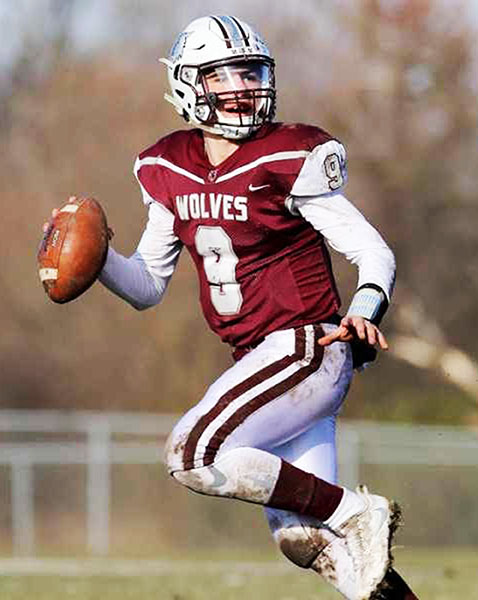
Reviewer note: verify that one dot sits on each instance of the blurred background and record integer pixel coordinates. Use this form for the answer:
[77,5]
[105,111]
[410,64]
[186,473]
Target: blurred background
[80,96]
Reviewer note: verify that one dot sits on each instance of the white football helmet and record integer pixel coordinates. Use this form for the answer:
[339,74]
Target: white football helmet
[221,75]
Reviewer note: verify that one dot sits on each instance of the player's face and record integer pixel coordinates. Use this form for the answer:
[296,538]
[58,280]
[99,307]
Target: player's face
[232,82]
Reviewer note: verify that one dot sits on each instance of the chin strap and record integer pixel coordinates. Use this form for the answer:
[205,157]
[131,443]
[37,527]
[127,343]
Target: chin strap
[238,135]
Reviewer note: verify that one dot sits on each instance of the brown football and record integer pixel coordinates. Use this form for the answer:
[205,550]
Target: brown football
[73,250]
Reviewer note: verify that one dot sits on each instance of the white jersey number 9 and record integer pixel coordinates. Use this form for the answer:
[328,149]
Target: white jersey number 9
[220,261]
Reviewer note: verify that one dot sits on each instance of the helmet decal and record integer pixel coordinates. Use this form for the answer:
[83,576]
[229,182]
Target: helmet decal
[178,47]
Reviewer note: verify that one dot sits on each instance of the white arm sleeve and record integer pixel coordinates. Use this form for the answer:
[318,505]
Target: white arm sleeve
[348,232]
[143,278]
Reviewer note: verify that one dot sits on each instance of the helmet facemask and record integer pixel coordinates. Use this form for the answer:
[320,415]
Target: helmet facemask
[237,96]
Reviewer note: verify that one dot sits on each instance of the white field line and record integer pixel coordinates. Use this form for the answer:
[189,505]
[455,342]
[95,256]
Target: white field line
[130,568]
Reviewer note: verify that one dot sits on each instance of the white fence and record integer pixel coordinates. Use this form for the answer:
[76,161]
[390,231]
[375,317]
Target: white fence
[98,451]
[100,446]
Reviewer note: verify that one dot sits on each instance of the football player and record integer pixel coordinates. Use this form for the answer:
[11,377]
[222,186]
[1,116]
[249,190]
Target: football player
[255,201]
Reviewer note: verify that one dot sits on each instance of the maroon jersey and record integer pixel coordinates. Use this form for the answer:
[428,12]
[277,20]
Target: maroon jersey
[261,268]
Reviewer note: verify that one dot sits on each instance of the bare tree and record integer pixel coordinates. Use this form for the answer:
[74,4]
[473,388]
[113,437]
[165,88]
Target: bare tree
[395,85]
[412,132]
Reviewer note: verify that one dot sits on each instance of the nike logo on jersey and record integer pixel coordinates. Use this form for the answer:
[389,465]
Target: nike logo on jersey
[212,206]
[254,188]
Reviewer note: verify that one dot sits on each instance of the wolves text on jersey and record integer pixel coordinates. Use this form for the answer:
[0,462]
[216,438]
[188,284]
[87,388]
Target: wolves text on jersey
[212,205]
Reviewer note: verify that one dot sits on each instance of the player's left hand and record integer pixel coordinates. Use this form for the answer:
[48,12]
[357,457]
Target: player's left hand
[354,327]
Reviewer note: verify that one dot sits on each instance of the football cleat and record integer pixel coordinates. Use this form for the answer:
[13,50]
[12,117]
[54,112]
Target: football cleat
[358,554]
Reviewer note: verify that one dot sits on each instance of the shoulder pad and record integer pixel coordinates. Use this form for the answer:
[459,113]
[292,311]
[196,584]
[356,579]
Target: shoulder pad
[170,149]
[324,171]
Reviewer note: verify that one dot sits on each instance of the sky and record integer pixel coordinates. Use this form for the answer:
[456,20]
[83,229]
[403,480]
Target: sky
[95,23]
[92,24]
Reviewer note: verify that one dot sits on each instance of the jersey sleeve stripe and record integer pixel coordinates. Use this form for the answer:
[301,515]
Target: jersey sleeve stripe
[158,160]
[288,155]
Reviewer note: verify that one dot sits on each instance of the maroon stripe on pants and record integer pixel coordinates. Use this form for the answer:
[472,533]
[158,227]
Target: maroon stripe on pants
[262,399]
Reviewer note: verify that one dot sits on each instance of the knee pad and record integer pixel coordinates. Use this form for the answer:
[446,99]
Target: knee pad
[243,473]
[173,451]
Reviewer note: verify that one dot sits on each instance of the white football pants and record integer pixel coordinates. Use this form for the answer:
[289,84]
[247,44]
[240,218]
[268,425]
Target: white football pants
[280,401]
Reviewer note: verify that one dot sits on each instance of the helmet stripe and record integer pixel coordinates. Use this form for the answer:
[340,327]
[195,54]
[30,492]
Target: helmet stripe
[241,29]
[235,32]
[224,31]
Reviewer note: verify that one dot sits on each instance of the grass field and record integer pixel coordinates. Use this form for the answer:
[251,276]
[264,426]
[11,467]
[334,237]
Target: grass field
[433,574]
